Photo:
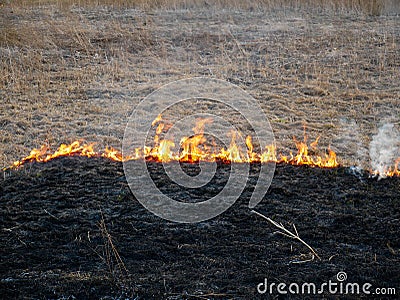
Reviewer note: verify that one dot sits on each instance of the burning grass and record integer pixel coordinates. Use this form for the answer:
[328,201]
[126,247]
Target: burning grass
[195,148]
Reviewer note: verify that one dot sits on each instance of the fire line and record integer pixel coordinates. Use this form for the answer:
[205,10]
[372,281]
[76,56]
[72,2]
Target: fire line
[196,148]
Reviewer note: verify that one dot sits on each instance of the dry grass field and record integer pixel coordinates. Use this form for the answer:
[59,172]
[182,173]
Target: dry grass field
[76,69]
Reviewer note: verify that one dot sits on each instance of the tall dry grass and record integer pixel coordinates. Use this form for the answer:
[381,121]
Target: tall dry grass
[46,66]
[370,7]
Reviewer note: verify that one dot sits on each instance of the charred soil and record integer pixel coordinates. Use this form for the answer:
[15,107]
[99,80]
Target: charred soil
[72,228]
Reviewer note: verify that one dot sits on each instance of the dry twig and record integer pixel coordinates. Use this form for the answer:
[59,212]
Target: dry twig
[287,233]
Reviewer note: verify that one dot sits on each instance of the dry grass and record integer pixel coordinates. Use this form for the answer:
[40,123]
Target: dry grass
[110,255]
[287,233]
[75,69]
[373,7]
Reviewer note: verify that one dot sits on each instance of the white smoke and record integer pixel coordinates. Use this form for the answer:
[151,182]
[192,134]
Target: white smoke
[384,148]
[349,143]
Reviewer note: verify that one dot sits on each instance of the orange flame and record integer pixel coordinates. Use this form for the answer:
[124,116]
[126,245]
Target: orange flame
[197,148]
[390,171]
[44,154]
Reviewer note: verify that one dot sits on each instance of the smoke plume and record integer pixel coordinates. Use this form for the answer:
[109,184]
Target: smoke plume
[384,148]
[349,143]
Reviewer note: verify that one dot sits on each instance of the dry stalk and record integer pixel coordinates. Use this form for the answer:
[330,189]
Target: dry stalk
[287,233]
[111,256]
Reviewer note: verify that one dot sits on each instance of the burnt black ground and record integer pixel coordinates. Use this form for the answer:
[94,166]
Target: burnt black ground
[54,244]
